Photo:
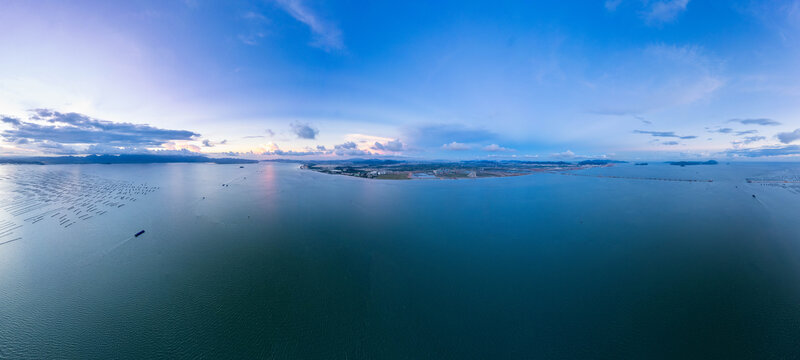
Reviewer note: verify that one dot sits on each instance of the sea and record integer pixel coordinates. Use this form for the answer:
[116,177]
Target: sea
[273,261]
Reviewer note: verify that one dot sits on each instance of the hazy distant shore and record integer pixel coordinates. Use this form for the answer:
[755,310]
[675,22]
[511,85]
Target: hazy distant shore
[120,159]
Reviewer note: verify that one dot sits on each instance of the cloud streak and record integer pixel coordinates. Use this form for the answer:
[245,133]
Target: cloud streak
[456,146]
[722,131]
[748,140]
[746,132]
[326,36]
[762,122]
[766,151]
[665,11]
[666,134]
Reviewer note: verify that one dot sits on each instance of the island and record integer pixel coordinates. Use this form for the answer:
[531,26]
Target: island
[691,163]
[406,170]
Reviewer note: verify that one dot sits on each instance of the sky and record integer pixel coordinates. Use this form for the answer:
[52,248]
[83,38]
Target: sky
[527,80]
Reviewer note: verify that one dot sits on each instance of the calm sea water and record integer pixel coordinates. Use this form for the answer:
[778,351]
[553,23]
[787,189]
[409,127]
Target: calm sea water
[291,264]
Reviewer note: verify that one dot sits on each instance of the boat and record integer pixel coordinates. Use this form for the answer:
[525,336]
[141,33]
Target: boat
[139,233]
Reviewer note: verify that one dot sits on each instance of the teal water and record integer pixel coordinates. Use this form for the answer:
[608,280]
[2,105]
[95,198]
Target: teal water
[284,263]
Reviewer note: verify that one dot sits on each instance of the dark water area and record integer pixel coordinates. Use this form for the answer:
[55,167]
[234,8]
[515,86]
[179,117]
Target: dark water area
[284,263]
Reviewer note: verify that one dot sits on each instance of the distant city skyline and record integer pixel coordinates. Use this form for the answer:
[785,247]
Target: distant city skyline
[626,79]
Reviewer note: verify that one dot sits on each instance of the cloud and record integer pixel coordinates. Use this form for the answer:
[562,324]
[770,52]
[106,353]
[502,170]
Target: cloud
[251,39]
[347,145]
[176,145]
[563,155]
[252,15]
[766,151]
[392,145]
[435,135]
[255,24]
[665,11]
[270,132]
[670,143]
[571,155]
[763,122]
[209,143]
[273,149]
[50,147]
[611,5]
[496,148]
[326,36]
[747,140]
[668,134]
[253,137]
[296,153]
[732,131]
[51,130]
[787,137]
[456,146]
[10,120]
[722,131]
[349,148]
[304,131]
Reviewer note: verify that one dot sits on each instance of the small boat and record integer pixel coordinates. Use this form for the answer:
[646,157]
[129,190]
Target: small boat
[241,167]
[139,233]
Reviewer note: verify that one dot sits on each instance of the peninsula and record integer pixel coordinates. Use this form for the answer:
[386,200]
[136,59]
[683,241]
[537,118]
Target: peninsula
[406,170]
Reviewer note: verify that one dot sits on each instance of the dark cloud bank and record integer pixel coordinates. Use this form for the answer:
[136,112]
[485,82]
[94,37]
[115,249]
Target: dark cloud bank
[56,132]
[108,142]
[788,137]
[304,131]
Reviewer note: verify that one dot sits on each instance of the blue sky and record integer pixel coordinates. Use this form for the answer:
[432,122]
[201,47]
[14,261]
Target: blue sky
[632,79]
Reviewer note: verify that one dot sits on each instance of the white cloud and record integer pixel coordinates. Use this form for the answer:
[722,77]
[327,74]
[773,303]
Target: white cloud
[496,148]
[665,11]
[564,155]
[272,148]
[456,146]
